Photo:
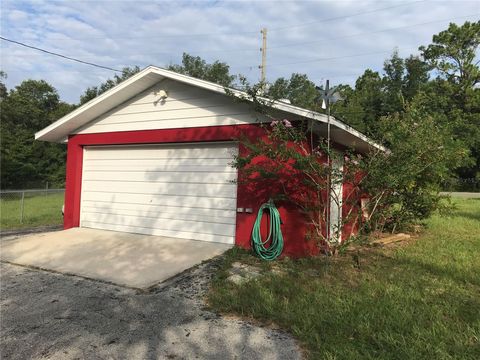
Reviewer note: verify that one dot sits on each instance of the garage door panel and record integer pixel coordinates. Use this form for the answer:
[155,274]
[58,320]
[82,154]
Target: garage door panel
[163,224]
[120,167]
[181,189]
[185,191]
[152,163]
[92,206]
[160,232]
[160,215]
[189,201]
[161,177]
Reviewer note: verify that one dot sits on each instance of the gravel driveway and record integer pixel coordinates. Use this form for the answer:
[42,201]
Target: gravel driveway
[52,316]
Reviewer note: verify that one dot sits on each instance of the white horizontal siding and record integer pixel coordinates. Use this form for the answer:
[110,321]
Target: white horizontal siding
[212,151]
[158,114]
[185,191]
[185,106]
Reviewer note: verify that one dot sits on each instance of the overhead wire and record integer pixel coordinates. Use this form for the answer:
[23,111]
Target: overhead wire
[346,16]
[59,55]
[71,58]
[166,36]
[332,58]
[346,36]
[274,46]
[368,32]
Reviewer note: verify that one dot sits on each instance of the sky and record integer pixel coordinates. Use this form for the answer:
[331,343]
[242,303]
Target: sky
[335,40]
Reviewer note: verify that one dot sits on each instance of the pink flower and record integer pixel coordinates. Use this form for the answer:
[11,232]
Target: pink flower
[287,123]
[274,123]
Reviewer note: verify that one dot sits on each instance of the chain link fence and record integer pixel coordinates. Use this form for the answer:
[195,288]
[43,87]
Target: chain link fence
[30,208]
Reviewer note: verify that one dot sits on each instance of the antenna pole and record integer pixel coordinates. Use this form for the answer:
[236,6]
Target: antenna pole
[329,189]
[263,49]
[327,89]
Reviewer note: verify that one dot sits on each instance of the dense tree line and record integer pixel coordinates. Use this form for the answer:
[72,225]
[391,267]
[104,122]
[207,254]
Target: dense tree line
[24,110]
[442,84]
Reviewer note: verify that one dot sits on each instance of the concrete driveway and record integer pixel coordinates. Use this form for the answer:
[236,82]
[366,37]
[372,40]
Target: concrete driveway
[132,260]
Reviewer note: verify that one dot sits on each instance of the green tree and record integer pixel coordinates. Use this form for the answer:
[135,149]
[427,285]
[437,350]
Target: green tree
[298,89]
[31,106]
[350,109]
[3,88]
[364,105]
[393,83]
[453,53]
[454,96]
[94,91]
[217,72]
[415,78]
[404,183]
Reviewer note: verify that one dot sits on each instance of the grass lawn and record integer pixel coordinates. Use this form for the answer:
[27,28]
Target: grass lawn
[39,210]
[419,300]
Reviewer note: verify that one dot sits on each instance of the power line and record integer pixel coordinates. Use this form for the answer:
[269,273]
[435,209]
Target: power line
[281,46]
[202,51]
[319,41]
[329,58]
[346,16]
[59,55]
[353,55]
[370,32]
[243,32]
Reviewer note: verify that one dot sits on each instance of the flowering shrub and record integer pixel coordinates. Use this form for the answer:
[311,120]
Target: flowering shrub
[383,190]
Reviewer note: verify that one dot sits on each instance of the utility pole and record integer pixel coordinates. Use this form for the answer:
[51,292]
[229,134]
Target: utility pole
[263,49]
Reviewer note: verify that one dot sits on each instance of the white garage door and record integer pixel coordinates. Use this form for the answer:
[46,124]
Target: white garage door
[183,191]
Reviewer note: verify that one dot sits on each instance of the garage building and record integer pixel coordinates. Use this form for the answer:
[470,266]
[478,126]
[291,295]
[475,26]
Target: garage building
[152,156]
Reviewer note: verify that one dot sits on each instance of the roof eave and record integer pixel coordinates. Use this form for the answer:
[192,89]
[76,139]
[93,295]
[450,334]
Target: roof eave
[49,133]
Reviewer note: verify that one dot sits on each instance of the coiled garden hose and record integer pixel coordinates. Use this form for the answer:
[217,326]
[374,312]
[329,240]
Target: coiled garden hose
[274,234]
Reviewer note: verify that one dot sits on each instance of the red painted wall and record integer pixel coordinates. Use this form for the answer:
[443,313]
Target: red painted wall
[294,226]
[254,194]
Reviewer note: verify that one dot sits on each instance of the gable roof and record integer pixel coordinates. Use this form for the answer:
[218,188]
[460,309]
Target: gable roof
[60,129]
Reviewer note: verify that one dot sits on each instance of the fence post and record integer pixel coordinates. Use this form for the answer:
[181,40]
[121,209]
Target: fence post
[21,207]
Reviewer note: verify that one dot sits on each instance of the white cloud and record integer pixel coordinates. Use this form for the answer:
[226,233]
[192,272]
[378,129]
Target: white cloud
[121,33]
[17,15]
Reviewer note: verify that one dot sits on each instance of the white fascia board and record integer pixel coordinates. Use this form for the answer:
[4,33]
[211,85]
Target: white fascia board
[92,103]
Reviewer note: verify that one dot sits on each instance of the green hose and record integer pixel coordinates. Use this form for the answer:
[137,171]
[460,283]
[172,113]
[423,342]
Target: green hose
[274,234]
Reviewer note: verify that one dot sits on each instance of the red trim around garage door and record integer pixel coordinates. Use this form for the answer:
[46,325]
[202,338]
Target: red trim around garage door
[77,142]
